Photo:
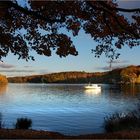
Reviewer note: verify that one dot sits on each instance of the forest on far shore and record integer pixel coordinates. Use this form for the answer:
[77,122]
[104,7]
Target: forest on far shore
[130,74]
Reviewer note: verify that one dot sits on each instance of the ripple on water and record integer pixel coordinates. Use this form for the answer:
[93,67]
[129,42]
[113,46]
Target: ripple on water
[68,109]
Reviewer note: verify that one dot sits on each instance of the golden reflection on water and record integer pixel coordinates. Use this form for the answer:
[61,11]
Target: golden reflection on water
[93,91]
[131,89]
[3,89]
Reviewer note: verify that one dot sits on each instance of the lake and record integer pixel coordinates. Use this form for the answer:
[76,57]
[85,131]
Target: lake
[65,108]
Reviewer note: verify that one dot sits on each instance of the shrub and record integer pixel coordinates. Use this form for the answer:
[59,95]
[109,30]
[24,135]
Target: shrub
[121,121]
[1,122]
[23,123]
[3,80]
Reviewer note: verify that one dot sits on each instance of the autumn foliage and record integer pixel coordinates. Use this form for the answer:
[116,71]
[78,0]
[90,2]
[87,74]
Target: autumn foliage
[3,80]
[126,75]
[42,26]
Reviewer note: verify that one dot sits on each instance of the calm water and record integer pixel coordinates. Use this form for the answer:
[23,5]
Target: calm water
[69,109]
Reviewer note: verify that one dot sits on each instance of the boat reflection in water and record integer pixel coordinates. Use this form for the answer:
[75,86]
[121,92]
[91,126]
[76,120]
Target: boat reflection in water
[93,91]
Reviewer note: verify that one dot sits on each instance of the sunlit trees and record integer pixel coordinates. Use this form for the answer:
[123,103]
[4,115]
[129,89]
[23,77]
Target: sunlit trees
[126,75]
[130,74]
[42,26]
[63,77]
[3,80]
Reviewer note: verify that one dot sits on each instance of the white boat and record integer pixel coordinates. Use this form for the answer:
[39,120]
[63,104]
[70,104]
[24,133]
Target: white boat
[93,86]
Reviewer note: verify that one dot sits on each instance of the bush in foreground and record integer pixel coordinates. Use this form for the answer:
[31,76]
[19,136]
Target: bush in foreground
[1,122]
[23,123]
[121,121]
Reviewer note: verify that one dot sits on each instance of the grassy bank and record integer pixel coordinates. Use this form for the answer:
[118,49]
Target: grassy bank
[33,134]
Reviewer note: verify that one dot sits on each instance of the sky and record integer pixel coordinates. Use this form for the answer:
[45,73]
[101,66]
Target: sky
[85,61]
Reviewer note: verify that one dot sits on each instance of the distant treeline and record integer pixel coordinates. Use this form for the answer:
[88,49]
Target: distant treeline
[126,75]
[62,77]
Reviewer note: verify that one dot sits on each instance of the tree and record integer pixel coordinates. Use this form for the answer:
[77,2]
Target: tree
[38,25]
[130,75]
[3,80]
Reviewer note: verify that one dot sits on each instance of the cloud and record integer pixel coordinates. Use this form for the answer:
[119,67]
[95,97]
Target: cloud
[17,72]
[27,66]
[118,61]
[26,71]
[113,67]
[4,65]
[43,71]
[14,70]
[129,4]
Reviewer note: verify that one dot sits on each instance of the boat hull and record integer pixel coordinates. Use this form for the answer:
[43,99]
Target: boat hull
[93,86]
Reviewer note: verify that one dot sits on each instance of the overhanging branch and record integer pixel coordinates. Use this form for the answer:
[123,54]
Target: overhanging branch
[35,14]
[127,10]
[108,9]
[119,9]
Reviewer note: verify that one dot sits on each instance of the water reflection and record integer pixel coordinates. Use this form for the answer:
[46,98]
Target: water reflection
[93,91]
[3,89]
[65,108]
[130,89]
[123,90]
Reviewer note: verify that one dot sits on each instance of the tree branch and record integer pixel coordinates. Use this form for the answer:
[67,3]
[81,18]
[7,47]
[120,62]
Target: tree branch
[35,14]
[126,10]
[107,8]
[107,23]
[118,9]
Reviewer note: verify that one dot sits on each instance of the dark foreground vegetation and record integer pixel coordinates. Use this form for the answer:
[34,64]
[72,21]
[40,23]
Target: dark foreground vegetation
[23,123]
[126,75]
[123,121]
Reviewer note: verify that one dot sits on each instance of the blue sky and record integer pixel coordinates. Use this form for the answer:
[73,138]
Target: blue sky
[85,61]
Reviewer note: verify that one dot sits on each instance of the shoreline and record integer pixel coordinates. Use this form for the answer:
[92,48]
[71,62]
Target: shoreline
[35,134]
